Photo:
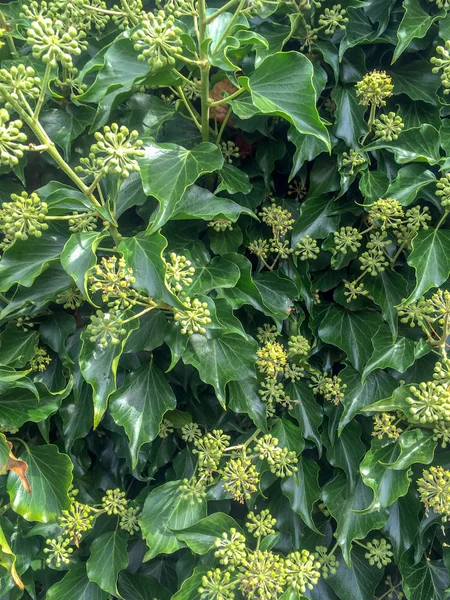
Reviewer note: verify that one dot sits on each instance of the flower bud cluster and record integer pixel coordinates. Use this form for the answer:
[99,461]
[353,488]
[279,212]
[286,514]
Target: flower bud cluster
[82,222]
[158,40]
[353,160]
[20,82]
[327,560]
[114,279]
[193,317]
[179,273]
[114,502]
[240,478]
[230,548]
[165,429]
[434,491]
[105,328]
[53,42]
[442,65]
[379,553]
[193,491]
[127,12]
[129,520]
[40,360]
[11,140]
[24,216]
[430,402]
[260,525]
[210,449]
[278,219]
[331,388]
[191,432]
[58,551]
[76,520]
[115,151]
[388,127]
[333,18]
[347,238]
[229,151]
[221,225]
[374,88]
[272,359]
[307,248]
[443,190]
[384,425]
[281,461]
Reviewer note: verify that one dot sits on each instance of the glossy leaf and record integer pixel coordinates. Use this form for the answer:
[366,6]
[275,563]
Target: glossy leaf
[139,406]
[108,557]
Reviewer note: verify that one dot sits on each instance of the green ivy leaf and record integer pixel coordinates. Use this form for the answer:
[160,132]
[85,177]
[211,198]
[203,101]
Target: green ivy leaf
[244,398]
[165,510]
[144,254]
[50,476]
[415,79]
[344,503]
[189,588]
[347,451]
[75,584]
[167,170]
[200,538]
[221,360]
[139,406]
[388,290]
[418,144]
[64,126]
[282,85]
[142,587]
[307,147]
[219,273]
[398,355]
[302,490]
[349,331]
[416,446]
[415,24]
[408,183]
[108,557]
[403,522]
[424,580]
[387,484]
[199,203]
[19,265]
[17,347]
[78,256]
[357,582]
[233,180]
[430,257]
[99,368]
[307,412]
[350,123]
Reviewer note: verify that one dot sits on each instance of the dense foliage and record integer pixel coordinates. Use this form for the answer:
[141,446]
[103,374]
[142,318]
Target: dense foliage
[224,300]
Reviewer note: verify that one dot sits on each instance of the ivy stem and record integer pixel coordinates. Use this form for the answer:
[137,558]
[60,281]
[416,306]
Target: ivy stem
[373,110]
[231,22]
[222,127]
[44,87]
[146,310]
[9,38]
[4,299]
[221,10]
[204,70]
[227,98]
[189,109]
[442,219]
[21,441]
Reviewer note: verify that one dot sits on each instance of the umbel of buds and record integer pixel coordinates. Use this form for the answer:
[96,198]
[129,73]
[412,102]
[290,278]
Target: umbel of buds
[11,140]
[374,88]
[53,41]
[23,216]
[20,80]
[158,40]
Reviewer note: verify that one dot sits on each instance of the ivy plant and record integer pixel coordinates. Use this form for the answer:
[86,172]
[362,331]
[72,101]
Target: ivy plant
[224,300]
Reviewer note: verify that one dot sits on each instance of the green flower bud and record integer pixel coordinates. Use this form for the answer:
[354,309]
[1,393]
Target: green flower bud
[194,317]
[333,18]
[331,388]
[353,160]
[105,328]
[379,553]
[58,551]
[40,360]
[20,81]
[221,225]
[114,502]
[434,491]
[11,140]
[307,248]
[373,262]
[229,151]
[328,562]
[191,432]
[388,127]
[240,478]
[260,525]
[354,290]
[259,248]
[429,403]
[23,216]
[302,570]
[193,491]
[210,449]
[384,426]
[267,333]
[272,359]
[53,42]
[129,520]
[347,238]
[116,150]
[158,40]
[216,586]
[374,88]
[165,429]
[76,520]
[230,548]
[179,273]
[262,576]
[443,64]
[279,219]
